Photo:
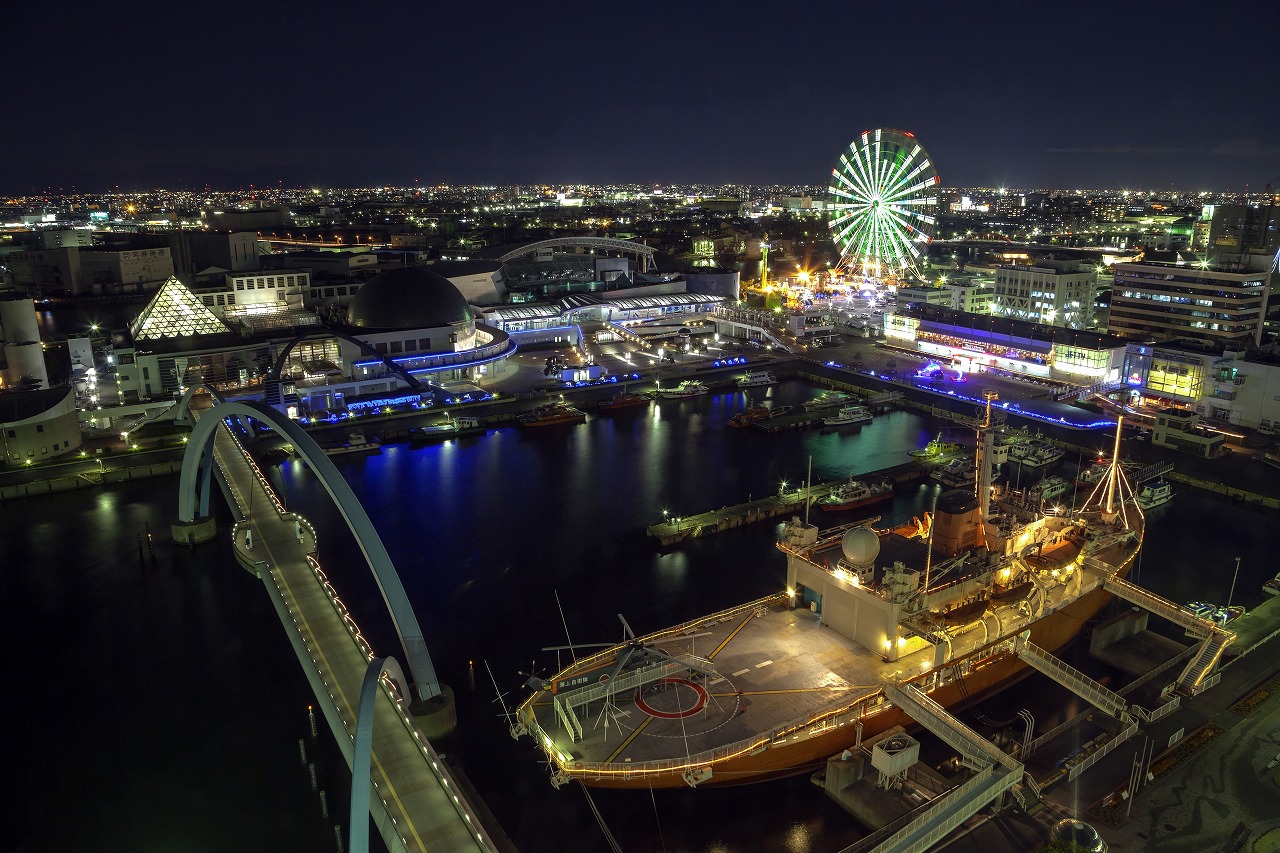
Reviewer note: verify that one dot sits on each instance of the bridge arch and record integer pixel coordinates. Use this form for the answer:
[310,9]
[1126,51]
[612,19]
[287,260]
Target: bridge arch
[362,760]
[644,254]
[196,482]
[273,376]
[182,412]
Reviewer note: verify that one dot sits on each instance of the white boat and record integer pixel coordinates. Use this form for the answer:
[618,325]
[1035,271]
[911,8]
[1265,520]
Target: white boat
[1036,454]
[1050,488]
[687,388]
[828,399]
[1272,587]
[852,414]
[1155,494]
[355,443]
[756,378]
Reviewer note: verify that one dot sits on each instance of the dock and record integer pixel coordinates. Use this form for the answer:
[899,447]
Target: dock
[785,503]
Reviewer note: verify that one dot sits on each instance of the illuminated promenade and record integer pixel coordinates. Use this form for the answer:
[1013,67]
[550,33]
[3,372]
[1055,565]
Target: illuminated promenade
[416,805]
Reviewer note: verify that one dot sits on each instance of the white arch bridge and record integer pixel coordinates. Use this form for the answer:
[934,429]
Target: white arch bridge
[418,804]
[545,248]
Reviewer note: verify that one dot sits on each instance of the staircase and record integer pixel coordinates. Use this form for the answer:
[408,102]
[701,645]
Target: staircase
[1193,681]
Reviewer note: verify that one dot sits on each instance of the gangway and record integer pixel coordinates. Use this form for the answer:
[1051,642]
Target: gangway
[996,773]
[1151,472]
[1072,679]
[1193,681]
[1196,626]
[976,751]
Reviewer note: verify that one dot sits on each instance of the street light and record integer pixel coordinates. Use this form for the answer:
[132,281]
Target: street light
[1233,582]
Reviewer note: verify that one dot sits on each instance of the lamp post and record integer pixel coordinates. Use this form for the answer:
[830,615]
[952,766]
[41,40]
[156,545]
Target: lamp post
[1233,582]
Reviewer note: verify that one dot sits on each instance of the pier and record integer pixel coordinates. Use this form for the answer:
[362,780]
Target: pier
[786,502]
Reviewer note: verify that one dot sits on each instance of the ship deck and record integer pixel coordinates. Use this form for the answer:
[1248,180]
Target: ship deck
[776,668]
[775,665]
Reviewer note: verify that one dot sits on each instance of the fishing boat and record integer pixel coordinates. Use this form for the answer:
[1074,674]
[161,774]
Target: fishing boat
[849,414]
[356,442]
[687,388]
[828,400]
[774,686]
[624,399]
[554,414]
[756,379]
[934,450]
[1154,494]
[452,428]
[854,494]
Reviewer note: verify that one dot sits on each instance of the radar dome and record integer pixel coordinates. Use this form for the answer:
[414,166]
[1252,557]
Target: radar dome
[861,546]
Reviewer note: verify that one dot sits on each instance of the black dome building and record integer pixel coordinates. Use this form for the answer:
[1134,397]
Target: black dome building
[408,298]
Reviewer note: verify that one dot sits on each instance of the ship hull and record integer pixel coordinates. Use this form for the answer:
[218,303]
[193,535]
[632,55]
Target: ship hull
[806,754]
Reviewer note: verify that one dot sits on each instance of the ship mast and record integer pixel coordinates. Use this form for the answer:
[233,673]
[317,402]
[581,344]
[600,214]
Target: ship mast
[986,443]
[1115,470]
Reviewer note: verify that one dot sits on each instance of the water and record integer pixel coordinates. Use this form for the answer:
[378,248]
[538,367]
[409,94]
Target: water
[175,677]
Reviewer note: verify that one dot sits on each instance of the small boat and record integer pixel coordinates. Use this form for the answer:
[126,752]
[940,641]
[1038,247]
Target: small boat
[1050,488]
[828,399]
[756,378]
[933,450]
[744,418]
[1094,474]
[1035,454]
[850,414]
[1155,494]
[779,411]
[1226,615]
[453,428]
[552,415]
[355,443]
[1015,592]
[963,614]
[1272,587]
[624,399]
[1203,609]
[854,494]
[687,388]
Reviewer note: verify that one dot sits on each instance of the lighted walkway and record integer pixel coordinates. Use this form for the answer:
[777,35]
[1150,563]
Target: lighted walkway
[420,806]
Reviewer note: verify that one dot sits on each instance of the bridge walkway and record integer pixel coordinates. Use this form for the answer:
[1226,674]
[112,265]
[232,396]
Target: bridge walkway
[419,806]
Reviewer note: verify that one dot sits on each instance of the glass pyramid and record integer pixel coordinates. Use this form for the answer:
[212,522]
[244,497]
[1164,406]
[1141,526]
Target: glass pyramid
[175,312]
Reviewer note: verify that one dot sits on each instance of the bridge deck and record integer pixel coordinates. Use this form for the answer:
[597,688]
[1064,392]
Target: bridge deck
[426,807]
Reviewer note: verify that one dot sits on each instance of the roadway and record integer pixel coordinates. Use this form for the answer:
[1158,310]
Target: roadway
[425,807]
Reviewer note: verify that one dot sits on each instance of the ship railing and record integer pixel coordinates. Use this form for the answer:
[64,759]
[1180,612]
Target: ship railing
[865,708]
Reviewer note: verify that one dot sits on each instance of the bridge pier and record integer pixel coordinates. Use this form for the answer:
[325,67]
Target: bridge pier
[437,716]
[194,532]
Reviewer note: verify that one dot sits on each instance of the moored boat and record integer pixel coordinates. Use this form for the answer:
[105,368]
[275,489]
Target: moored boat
[1272,587]
[687,388]
[744,418]
[934,450]
[624,399]
[1155,494]
[849,414]
[854,494]
[554,414]
[828,399]
[356,442]
[452,428]
[757,378]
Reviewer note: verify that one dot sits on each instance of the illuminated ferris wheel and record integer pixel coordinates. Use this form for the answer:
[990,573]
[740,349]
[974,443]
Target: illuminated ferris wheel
[879,202]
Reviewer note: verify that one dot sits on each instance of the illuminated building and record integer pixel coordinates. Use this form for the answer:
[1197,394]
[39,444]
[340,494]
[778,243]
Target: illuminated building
[974,342]
[1056,293]
[1162,301]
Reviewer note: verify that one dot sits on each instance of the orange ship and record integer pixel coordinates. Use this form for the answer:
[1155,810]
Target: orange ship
[775,686]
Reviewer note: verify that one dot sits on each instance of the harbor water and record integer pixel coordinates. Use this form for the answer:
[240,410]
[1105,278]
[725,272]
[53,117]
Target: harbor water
[170,715]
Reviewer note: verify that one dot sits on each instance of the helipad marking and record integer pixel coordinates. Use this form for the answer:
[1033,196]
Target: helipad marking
[742,672]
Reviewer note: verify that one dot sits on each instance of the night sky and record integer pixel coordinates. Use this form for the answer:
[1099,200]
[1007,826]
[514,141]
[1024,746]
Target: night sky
[225,94]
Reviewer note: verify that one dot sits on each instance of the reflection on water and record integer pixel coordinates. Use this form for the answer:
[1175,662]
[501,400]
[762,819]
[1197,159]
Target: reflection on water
[184,649]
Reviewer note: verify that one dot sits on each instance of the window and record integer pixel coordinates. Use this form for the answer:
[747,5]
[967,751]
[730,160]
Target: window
[12,434]
[39,427]
[396,347]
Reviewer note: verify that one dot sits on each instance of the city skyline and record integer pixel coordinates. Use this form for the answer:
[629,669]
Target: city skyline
[240,95]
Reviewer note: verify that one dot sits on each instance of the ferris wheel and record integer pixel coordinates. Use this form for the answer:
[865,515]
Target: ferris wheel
[879,202]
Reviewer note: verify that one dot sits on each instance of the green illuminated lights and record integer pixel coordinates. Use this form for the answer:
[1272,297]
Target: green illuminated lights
[880,201]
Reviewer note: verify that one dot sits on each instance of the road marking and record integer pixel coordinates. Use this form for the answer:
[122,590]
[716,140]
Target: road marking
[763,665]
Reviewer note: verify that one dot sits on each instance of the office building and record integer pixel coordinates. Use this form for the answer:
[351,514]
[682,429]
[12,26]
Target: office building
[1055,293]
[1166,301]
